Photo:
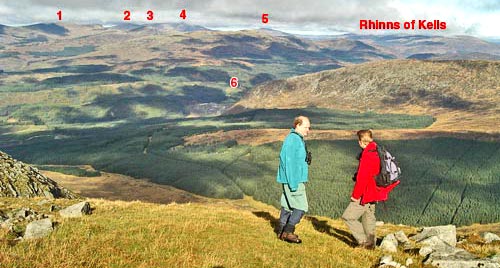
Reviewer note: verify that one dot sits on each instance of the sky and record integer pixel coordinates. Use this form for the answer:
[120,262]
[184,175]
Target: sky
[311,17]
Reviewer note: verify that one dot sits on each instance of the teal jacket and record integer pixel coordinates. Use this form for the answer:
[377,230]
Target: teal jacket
[293,167]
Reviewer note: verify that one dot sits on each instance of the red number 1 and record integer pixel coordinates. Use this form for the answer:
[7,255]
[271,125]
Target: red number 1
[59,13]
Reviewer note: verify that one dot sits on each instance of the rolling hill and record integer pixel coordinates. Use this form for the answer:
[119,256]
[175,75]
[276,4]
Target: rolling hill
[462,95]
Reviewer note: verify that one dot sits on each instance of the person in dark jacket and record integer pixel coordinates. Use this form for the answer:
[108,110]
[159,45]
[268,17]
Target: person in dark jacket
[293,174]
[365,193]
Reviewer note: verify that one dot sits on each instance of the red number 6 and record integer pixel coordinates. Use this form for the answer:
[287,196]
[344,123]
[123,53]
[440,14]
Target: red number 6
[233,82]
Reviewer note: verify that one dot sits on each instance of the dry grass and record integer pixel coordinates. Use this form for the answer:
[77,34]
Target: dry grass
[113,186]
[220,233]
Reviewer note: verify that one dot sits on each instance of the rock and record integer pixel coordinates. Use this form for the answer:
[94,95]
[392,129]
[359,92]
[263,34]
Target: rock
[379,223]
[76,210]
[424,251]
[409,262]
[459,259]
[447,233]
[43,202]
[489,237]
[387,262]
[54,208]
[437,244]
[7,224]
[495,257]
[403,239]
[385,259]
[38,229]
[389,243]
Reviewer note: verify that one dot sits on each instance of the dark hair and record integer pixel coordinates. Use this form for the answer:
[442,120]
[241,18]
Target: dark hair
[363,134]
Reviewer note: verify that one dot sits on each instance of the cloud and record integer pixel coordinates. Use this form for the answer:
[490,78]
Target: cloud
[300,15]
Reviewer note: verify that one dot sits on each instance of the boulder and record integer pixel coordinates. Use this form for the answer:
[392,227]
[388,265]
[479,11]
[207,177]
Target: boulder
[424,251]
[387,262]
[489,237]
[436,244]
[76,210]
[403,239]
[447,233]
[459,259]
[389,243]
[38,229]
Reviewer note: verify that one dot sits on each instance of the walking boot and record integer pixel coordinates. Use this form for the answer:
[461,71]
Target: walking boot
[370,243]
[290,238]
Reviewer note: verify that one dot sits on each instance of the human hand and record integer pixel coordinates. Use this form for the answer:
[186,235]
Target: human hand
[354,199]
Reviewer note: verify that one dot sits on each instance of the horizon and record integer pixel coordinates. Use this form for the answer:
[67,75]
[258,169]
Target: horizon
[463,17]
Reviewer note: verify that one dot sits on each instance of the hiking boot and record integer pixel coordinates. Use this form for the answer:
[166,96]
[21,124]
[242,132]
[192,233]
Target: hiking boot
[370,244]
[290,238]
[366,245]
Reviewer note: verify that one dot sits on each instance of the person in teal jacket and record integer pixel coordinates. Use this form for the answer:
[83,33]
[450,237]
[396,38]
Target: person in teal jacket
[292,174]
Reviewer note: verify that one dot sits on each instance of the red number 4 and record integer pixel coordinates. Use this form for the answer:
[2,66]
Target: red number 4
[183,14]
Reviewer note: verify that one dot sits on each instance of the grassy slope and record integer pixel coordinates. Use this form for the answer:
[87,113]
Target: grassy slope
[219,233]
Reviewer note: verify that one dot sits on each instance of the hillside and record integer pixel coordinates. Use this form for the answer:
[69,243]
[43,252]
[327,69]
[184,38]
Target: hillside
[462,95]
[219,233]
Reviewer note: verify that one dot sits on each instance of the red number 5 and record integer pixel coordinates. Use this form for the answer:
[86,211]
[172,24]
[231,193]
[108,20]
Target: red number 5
[265,18]
[233,82]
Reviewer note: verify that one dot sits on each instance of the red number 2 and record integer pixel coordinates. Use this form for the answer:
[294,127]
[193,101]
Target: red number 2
[183,14]
[127,15]
[150,15]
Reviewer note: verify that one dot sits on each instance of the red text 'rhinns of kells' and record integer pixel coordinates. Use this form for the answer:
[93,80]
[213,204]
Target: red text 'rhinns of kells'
[407,25]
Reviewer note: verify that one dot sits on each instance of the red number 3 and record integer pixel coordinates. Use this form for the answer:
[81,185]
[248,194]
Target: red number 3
[150,15]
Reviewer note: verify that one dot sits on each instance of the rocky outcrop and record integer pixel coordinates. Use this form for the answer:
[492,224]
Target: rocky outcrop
[438,245]
[18,179]
[26,223]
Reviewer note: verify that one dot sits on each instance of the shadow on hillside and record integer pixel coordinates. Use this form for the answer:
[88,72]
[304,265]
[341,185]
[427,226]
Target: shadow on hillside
[274,222]
[323,227]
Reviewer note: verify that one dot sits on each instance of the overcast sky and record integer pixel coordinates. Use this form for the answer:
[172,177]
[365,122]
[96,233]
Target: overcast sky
[470,17]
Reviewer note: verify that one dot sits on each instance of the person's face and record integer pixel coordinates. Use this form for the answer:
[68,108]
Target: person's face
[304,128]
[362,144]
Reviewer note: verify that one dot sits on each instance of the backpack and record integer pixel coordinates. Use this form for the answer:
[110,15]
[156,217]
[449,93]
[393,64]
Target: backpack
[389,168]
